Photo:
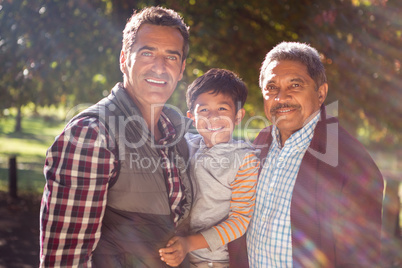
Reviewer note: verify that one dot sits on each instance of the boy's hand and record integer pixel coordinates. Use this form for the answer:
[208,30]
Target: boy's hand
[175,251]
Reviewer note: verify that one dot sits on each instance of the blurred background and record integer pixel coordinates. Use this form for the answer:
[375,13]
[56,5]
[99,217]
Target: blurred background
[59,56]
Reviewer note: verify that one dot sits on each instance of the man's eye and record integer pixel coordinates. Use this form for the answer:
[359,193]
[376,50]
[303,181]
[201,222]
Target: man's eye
[146,54]
[171,57]
[270,89]
[295,85]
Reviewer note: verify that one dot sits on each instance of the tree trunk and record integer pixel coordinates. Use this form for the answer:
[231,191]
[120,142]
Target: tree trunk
[18,120]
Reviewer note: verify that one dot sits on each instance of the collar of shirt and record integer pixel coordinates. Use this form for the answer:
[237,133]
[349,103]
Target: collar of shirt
[167,129]
[300,139]
[204,147]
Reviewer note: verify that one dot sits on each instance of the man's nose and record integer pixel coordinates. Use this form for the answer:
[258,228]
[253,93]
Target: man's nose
[159,65]
[282,96]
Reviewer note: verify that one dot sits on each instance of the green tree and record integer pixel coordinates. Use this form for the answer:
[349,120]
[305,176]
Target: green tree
[359,40]
[56,52]
[66,52]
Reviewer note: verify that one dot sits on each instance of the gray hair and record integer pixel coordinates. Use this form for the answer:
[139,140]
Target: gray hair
[300,52]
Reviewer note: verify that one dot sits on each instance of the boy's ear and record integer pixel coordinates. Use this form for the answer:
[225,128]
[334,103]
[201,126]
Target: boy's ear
[239,116]
[191,116]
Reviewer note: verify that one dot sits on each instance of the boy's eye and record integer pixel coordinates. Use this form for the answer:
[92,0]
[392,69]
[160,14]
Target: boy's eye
[222,109]
[202,110]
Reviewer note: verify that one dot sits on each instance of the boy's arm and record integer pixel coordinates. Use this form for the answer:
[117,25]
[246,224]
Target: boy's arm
[241,205]
[178,247]
[241,209]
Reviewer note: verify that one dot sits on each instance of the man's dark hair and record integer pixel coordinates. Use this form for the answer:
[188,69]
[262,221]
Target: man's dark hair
[218,81]
[155,16]
[299,52]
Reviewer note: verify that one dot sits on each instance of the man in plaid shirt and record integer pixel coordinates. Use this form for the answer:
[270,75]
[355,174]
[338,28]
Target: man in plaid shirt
[116,179]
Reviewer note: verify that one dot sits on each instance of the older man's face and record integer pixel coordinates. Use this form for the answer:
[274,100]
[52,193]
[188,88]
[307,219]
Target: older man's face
[290,96]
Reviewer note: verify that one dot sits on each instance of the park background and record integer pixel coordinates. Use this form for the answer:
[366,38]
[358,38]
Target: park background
[59,56]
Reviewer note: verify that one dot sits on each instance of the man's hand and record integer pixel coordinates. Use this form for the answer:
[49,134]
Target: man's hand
[175,251]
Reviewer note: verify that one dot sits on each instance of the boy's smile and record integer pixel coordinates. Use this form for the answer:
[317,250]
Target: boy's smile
[214,117]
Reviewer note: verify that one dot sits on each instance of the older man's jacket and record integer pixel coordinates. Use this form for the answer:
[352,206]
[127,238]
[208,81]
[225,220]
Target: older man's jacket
[336,202]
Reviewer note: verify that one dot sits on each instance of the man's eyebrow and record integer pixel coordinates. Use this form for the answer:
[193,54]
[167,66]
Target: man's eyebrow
[297,79]
[147,48]
[271,82]
[174,52]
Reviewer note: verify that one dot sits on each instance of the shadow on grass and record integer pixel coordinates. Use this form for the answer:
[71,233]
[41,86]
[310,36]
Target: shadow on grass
[26,136]
[35,128]
[28,181]
[19,230]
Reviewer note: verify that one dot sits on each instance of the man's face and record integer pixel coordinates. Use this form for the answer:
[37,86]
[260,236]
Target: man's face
[154,66]
[290,96]
[214,117]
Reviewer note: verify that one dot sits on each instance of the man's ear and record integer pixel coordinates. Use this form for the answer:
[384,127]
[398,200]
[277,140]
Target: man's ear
[183,66]
[123,60]
[322,93]
[239,116]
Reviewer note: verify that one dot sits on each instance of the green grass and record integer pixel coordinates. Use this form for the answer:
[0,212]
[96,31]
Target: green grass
[29,146]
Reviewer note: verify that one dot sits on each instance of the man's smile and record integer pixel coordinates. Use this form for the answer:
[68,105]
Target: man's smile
[153,81]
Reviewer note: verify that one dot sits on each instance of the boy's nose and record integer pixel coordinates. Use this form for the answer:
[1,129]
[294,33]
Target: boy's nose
[213,115]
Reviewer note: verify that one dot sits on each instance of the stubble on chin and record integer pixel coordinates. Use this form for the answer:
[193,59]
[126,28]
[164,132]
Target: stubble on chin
[275,120]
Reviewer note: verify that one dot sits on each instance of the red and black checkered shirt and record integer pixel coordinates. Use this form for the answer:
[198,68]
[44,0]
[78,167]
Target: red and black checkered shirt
[75,194]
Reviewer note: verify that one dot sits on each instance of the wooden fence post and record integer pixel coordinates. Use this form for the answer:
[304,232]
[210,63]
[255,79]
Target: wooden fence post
[12,179]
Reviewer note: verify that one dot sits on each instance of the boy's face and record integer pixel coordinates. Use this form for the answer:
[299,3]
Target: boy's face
[214,117]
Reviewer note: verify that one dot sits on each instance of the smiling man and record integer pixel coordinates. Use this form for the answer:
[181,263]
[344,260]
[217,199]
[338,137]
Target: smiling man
[319,193]
[99,207]
[291,96]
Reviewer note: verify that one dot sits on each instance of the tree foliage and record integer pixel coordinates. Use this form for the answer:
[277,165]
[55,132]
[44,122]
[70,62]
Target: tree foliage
[66,52]
[52,50]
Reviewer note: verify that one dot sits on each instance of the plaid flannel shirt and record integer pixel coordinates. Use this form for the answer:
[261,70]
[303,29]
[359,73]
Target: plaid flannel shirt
[78,169]
[269,240]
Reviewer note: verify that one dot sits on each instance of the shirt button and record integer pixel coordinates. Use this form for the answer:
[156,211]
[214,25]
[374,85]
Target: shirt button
[280,165]
[257,251]
[280,159]
[271,190]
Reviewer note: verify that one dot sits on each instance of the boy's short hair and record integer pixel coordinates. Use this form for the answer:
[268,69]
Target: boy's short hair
[218,81]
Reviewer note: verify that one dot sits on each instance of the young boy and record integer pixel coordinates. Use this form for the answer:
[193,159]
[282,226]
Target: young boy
[225,171]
